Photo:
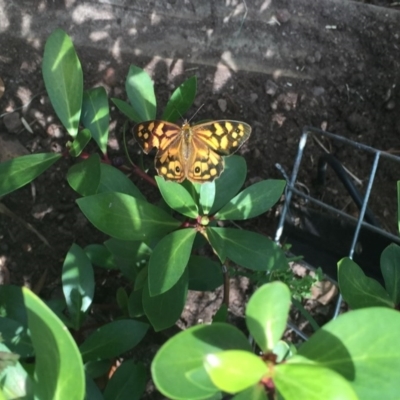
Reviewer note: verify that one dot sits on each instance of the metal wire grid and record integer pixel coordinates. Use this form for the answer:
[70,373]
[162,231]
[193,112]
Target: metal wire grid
[290,190]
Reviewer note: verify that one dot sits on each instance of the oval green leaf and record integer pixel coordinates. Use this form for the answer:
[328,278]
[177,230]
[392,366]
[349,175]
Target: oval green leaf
[125,217]
[63,78]
[230,181]
[267,313]
[140,90]
[234,370]
[165,309]
[248,249]
[181,100]
[127,383]
[113,180]
[207,196]
[311,382]
[390,267]
[358,290]
[59,370]
[177,197]
[80,142]
[113,339]
[204,274]
[84,177]
[96,115]
[253,201]
[78,274]
[185,352]
[169,260]
[19,171]
[364,347]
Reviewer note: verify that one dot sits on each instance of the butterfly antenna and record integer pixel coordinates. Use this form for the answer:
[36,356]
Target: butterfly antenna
[196,112]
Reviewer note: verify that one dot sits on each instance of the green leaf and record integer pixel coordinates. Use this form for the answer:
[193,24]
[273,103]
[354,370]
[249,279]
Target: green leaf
[59,371]
[113,339]
[80,142]
[252,201]
[230,181]
[222,314]
[207,196]
[127,110]
[182,357]
[390,267]
[84,177]
[113,180]
[96,369]
[135,303]
[92,390]
[63,78]
[248,249]
[398,205]
[15,382]
[125,217]
[129,256]
[204,274]
[255,392]
[122,300]
[181,100]
[96,115]
[364,347]
[358,290]
[165,309]
[311,382]
[12,304]
[267,314]
[15,336]
[100,256]
[127,383]
[19,171]
[177,197]
[169,260]
[78,274]
[140,90]
[234,370]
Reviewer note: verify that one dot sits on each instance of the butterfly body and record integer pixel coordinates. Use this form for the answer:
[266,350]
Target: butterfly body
[191,152]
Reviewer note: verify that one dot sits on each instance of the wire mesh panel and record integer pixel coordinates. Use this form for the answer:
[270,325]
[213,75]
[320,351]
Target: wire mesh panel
[324,233]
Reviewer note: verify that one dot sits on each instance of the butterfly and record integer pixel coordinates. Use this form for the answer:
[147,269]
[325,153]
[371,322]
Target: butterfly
[191,152]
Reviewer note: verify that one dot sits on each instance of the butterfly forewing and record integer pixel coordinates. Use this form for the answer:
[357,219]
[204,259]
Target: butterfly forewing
[158,134]
[224,136]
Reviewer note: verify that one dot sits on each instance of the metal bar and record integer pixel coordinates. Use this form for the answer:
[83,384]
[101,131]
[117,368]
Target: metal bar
[373,228]
[360,219]
[288,196]
[357,145]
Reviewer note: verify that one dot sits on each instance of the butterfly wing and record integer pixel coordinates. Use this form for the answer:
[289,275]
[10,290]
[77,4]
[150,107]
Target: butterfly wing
[158,134]
[223,136]
[204,164]
[169,162]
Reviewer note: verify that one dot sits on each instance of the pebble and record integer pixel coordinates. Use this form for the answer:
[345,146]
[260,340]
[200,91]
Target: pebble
[54,131]
[222,104]
[12,122]
[390,105]
[253,97]
[271,88]
[283,15]
[318,91]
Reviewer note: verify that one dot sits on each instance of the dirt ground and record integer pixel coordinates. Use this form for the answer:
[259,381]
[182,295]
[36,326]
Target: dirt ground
[333,65]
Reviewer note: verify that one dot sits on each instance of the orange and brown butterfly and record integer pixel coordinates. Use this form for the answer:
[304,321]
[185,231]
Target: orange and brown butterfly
[191,152]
